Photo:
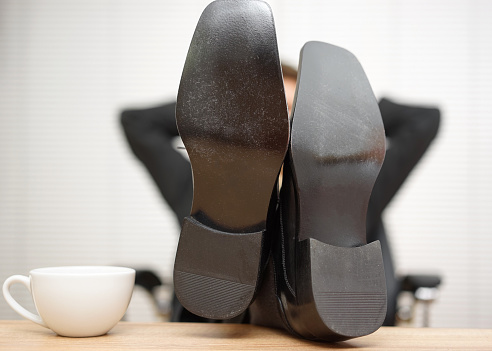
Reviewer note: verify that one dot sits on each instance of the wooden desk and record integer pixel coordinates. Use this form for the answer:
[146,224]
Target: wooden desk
[24,335]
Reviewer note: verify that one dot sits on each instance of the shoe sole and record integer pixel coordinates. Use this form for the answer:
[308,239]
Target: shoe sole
[232,117]
[337,149]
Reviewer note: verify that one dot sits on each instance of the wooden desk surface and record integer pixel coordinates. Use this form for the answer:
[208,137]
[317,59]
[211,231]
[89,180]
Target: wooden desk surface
[24,335]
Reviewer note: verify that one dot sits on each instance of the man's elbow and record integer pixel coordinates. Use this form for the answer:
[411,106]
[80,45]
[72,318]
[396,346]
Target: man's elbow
[127,118]
[433,119]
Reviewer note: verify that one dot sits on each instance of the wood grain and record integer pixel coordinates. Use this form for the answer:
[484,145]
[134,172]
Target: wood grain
[24,335]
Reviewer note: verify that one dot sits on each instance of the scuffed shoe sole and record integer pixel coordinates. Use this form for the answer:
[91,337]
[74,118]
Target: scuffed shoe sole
[336,289]
[232,118]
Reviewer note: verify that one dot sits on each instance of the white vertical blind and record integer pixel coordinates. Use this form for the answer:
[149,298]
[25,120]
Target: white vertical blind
[72,193]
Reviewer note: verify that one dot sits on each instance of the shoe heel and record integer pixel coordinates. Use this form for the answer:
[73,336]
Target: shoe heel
[216,273]
[352,301]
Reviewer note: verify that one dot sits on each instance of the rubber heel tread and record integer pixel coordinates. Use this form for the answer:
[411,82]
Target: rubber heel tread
[352,302]
[216,273]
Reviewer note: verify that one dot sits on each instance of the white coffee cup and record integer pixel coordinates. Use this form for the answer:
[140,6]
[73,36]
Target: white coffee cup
[78,301]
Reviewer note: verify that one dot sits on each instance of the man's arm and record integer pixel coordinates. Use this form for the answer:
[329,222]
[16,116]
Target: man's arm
[409,131]
[150,133]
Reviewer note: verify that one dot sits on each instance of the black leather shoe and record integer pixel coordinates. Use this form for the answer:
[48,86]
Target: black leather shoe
[330,282]
[232,116]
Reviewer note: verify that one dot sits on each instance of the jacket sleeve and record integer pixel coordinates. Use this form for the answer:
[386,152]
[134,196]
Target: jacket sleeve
[150,133]
[409,132]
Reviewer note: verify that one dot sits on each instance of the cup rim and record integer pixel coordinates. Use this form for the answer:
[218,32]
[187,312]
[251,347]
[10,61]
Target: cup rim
[82,270]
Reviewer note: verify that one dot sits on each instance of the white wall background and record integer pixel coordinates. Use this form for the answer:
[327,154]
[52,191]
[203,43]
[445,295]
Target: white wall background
[72,193]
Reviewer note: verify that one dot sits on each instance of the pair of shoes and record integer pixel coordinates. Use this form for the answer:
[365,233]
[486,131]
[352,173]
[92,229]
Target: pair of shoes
[232,116]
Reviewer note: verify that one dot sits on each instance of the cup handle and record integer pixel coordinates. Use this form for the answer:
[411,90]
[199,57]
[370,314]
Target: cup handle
[26,281]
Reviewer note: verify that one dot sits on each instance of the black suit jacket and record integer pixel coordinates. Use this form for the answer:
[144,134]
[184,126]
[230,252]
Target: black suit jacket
[409,132]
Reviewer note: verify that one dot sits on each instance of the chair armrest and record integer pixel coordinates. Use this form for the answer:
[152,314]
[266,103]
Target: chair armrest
[413,282]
